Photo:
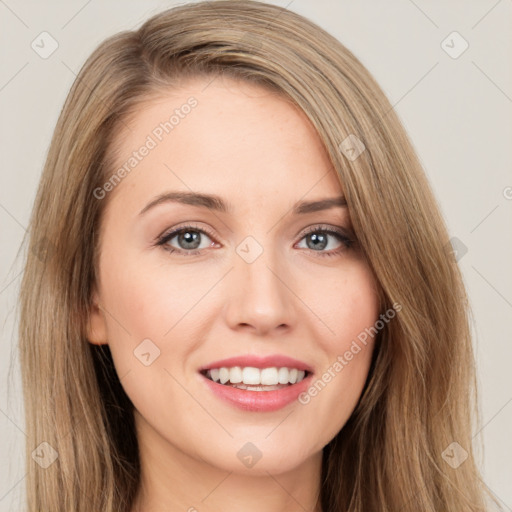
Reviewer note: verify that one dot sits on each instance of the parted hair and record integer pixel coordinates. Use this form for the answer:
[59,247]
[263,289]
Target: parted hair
[420,395]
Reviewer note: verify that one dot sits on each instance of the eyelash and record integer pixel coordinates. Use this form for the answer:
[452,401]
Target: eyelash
[166,237]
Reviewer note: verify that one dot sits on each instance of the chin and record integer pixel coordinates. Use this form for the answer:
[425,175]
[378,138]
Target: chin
[250,459]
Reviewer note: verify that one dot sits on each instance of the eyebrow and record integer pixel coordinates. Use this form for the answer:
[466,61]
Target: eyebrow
[216,203]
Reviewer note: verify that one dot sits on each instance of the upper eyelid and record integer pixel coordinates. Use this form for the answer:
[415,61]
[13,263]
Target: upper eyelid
[171,233]
[323,227]
[313,227]
[174,231]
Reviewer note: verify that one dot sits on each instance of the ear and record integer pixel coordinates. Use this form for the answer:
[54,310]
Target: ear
[96,324]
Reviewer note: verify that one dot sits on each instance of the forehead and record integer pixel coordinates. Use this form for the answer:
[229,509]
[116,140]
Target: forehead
[223,135]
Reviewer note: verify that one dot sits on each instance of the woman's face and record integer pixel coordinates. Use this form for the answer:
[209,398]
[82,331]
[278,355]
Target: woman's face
[261,273]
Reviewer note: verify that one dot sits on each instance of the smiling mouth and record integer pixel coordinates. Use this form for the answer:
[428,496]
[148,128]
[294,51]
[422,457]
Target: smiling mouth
[255,379]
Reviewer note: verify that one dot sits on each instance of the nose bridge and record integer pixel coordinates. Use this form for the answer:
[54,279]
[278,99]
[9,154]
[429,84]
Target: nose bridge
[260,297]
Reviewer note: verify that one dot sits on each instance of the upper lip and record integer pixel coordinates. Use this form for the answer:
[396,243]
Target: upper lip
[277,360]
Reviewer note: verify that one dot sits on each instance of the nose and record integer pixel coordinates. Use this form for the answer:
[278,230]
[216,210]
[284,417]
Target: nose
[260,299]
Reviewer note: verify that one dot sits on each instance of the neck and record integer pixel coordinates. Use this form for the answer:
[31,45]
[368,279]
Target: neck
[174,480]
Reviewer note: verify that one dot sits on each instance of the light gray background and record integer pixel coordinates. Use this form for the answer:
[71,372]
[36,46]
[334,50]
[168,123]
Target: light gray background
[457,112]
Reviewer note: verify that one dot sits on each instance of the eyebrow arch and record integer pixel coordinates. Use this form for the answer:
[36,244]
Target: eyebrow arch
[210,201]
[216,203]
[322,204]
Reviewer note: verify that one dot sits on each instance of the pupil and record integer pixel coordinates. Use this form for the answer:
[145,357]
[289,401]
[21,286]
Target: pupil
[190,239]
[318,241]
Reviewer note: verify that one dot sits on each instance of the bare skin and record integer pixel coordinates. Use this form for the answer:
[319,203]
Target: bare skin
[262,156]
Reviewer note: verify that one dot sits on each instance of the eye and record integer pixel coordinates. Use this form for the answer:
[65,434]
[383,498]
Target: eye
[319,238]
[189,240]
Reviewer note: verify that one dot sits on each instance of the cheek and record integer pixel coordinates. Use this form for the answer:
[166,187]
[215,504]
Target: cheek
[357,314]
[352,310]
[145,299]
[155,308]
[145,305]
[139,306]
[350,305]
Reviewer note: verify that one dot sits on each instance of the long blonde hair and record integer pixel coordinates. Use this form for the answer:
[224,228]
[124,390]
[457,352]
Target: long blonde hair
[420,395]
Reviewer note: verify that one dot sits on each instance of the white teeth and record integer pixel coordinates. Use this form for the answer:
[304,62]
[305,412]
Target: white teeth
[224,375]
[235,375]
[269,376]
[214,374]
[251,376]
[282,375]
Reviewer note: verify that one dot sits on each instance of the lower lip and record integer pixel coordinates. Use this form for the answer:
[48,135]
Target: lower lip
[262,401]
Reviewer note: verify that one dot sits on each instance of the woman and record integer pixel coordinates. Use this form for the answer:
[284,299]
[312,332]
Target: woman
[245,297]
